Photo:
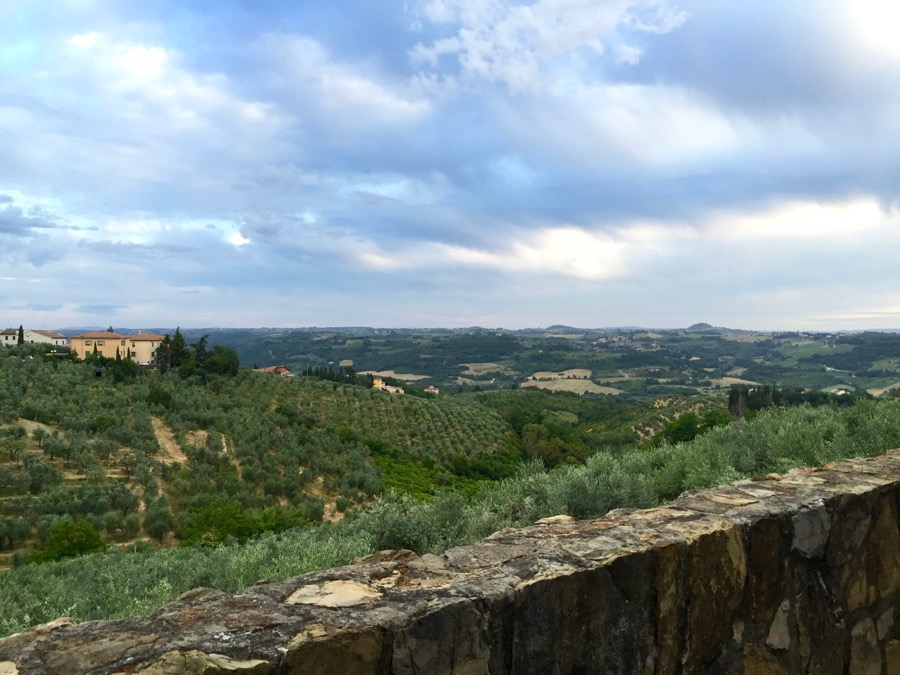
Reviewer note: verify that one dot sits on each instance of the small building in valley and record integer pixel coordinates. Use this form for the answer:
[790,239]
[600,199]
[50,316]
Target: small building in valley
[378,383]
[280,371]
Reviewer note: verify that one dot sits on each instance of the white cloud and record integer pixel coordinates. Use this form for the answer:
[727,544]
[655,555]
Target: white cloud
[877,24]
[799,220]
[522,44]
[237,239]
[147,85]
[84,40]
[572,252]
[561,251]
[798,234]
[342,92]
[121,126]
[575,125]
[628,54]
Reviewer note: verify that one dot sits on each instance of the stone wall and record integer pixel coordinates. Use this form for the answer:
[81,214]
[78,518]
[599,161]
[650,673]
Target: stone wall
[791,574]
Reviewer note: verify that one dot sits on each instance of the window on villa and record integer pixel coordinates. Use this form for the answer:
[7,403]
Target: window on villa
[100,343]
[123,343]
[87,343]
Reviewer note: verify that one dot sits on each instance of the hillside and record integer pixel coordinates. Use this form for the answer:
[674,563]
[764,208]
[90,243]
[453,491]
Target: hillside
[114,583]
[639,363]
[150,454]
[176,456]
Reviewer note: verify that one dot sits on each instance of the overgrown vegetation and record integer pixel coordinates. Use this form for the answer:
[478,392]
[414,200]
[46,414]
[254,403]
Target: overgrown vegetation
[118,583]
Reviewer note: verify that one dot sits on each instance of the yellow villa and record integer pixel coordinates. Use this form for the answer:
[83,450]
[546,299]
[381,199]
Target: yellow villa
[103,342]
[140,347]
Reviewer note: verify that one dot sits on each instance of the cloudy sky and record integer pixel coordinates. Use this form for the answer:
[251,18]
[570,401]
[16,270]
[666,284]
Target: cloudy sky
[450,163]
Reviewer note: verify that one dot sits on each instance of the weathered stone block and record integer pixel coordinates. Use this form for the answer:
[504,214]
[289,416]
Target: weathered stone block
[670,608]
[451,639]
[780,631]
[884,567]
[811,530]
[865,656]
[765,563]
[328,650]
[892,657]
[758,661]
[717,570]
[197,663]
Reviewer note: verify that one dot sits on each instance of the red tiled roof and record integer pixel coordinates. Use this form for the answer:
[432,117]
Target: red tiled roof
[51,334]
[10,331]
[278,370]
[100,335]
[146,337]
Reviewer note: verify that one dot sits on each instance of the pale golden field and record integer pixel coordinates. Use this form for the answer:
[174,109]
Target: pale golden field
[728,381]
[484,368]
[884,390]
[573,373]
[408,377]
[576,386]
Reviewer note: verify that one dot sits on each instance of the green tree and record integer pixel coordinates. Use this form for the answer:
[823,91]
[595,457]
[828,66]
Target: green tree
[53,446]
[14,530]
[179,352]
[214,524]
[158,520]
[163,353]
[172,352]
[67,538]
[41,474]
[223,361]
[685,427]
[715,417]
[15,449]
[11,479]
[131,525]
[200,351]
[21,335]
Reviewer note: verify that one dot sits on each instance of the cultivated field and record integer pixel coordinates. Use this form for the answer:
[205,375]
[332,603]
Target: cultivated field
[728,381]
[407,377]
[576,386]
[571,374]
[883,390]
[485,368]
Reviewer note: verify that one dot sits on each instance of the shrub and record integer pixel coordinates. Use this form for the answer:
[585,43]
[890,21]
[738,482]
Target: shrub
[67,538]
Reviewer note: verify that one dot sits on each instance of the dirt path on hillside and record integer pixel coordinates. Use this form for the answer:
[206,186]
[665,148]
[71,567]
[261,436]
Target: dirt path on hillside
[884,390]
[166,439]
